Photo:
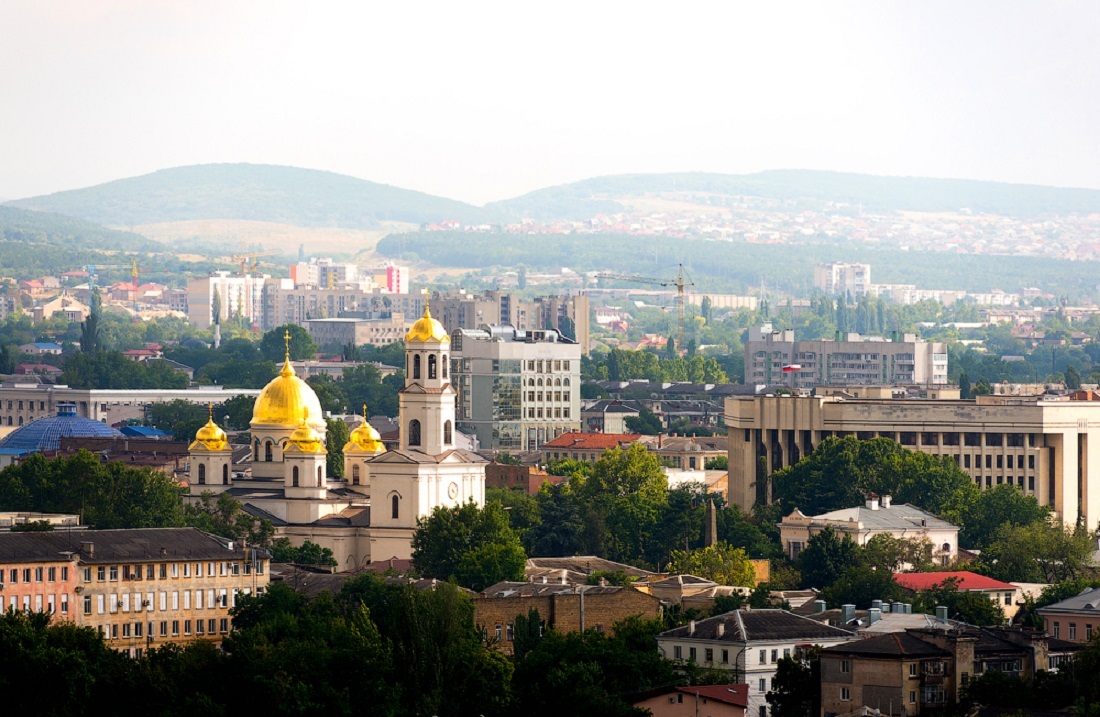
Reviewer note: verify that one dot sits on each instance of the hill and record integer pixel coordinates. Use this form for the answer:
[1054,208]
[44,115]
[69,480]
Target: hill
[35,227]
[806,188]
[253,192]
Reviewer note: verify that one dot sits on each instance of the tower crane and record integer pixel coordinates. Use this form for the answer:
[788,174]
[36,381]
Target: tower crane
[248,261]
[92,268]
[678,282]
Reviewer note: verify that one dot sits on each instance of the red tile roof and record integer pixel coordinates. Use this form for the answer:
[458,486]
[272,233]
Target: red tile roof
[590,441]
[730,694]
[967,581]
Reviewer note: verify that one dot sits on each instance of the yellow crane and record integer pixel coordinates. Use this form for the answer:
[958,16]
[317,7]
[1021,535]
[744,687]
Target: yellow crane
[248,261]
[678,282]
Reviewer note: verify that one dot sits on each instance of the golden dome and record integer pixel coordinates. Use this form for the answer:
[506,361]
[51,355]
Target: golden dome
[365,438]
[427,330]
[305,439]
[211,436]
[287,401]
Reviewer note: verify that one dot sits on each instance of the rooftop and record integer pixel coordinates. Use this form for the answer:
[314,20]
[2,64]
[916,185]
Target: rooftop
[895,517]
[1086,600]
[967,581]
[115,546]
[894,644]
[590,441]
[758,626]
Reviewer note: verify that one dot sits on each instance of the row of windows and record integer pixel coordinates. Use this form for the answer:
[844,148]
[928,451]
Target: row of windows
[198,628]
[433,363]
[1002,461]
[209,599]
[1018,480]
[202,474]
[559,412]
[708,654]
[151,571]
[38,603]
[557,382]
[550,396]
[37,575]
[1072,631]
[546,365]
[415,434]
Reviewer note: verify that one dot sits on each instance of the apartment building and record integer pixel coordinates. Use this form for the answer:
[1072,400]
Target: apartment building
[1076,619]
[841,278]
[776,358]
[138,588]
[359,332]
[567,315]
[516,389]
[236,295]
[1048,447]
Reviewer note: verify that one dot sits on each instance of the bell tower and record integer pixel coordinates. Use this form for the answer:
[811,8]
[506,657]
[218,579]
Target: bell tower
[427,401]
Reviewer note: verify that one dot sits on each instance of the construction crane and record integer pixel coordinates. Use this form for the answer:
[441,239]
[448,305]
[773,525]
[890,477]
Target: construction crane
[248,261]
[93,276]
[678,282]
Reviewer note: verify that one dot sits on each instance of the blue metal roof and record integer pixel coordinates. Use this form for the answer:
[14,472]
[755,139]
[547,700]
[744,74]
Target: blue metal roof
[45,345]
[45,434]
[143,432]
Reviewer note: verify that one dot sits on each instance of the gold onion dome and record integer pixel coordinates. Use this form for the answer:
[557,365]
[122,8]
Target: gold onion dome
[288,401]
[365,438]
[306,440]
[427,330]
[210,436]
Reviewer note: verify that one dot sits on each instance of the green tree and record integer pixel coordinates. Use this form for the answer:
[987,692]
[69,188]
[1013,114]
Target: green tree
[974,608]
[308,553]
[560,531]
[336,437]
[646,423]
[826,557]
[491,563]
[718,463]
[239,409]
[179,417]
[859,585]
[624,497]
[1073,377]
[964,385]
[720,563]
[1000,505]
[890,554]
[796,687]
[110,369]
[302,345]
[468,542]
[225,516]
[1039,552]
[527,632]
[330,393]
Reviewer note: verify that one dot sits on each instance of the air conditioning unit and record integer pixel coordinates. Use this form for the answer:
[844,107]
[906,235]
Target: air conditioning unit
[672,699]
[147,604]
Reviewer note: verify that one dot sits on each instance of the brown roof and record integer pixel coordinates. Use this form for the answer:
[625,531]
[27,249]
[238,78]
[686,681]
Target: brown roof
[894,644]
[591,441]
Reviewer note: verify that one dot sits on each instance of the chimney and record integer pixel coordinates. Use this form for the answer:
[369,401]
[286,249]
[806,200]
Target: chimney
[899,608]
[874,615]
[872,501]
[88,548]
[876,605]
[941,614]
[721,629]
[564,581]
[847,613]
[885,607]
[886,501]
[908,608]
[543,579]
[691,627]
[603,582]
[819,606]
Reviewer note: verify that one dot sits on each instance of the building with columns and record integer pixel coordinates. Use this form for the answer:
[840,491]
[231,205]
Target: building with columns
[1048,447]
[370,513]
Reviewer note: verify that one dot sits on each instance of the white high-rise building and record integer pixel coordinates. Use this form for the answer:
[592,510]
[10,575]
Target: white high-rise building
[840,278]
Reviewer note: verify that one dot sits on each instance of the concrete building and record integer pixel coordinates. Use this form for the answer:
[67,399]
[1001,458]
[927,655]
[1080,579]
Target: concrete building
[875,518]
[695,701]
[23,402]
[750,642]
[566,314]
[851,360]
[327,273]
[585,446]
[1000,593]
[840,278]
[138,588]
[1075,619]
[359,332]
[516,389]
[238,296]
[1050,448]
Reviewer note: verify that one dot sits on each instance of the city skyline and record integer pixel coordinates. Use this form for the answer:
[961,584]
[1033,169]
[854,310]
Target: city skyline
[486,102]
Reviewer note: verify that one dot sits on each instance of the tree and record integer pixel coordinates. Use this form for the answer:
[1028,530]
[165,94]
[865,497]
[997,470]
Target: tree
[718,463]
[239,409]
[826,557]
[1073,377]
[302,345]
[796,687]
[719,563]
[468,543]
[974,608]
[179,417]
[225,516]
[964,385]
[527,632]
[859,585]
[89,334]
[308,553]
[646,423]
[560,531]
[110,369]
[216,306]
[705,309]
[1040,552]
[889,554]
[330,393]
[336,437]
[1000,505]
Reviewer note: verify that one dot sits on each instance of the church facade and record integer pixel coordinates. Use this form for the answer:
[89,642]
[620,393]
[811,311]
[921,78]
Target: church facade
[371,513]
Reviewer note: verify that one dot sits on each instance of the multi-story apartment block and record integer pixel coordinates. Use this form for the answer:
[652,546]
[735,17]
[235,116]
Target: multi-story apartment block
[138,588]
[567,315]
[851,360]
[327,273]
[1050,448]
[237,295]
[839,278]
[516,389]
[344,331]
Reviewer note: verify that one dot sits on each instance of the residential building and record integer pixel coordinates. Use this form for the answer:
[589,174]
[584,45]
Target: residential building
[609,415]
[73,310]
[585,446]
[1000,593]
[358,332]
[516,389]
[1075,619]
[776,358]
[568,315]
[923,670]
[877,517]
[695,701]
[138,588]
[689,453]
[397,279]
[326,273]
[40,348]
[842,279]
[236,295]
[569,608]
[1047,446]
[749,642]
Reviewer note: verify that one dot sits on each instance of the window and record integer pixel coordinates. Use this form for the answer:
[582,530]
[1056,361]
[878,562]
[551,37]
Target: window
[64,603]
[786,652]
[100,574]
[432,367]
[114,573]
[294,476]
[175,628]
[775,655]
[677,652]
[763,657]
[64,574]
[51,575]
[1057,630]
[100,604]
[511,632]
[87,604]
[320,476]
[845,666]
[164,571]
[763,685]
[726,656]
[395,504]
[202,474]
[691,654]
[225,474]
[1008,598]
[355,475]
[444,366]
[912,697]
[845,694]
[416,366]
[913,670]
[448,438]
[414,432]
[267,451]
[1073,631]
[708,655]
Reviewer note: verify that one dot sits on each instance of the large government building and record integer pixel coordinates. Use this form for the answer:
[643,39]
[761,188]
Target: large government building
[1049,447]
[371,514]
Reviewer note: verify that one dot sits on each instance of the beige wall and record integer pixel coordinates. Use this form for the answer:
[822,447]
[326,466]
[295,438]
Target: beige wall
[678,704]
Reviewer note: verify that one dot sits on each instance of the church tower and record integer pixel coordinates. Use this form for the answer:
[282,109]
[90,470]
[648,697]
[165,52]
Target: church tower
[211,459]
[427,401]
[363,444]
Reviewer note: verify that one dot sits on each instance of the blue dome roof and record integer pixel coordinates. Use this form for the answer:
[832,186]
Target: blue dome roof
[45,434]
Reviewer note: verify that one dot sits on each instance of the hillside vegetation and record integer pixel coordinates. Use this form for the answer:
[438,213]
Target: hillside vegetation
[256,192]
[805,188]
[35,227]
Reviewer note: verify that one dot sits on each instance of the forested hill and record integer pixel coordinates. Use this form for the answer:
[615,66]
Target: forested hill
[258,192]
[31,227]
[809,188]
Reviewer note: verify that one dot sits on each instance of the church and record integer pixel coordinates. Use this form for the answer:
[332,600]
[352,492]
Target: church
[371,513]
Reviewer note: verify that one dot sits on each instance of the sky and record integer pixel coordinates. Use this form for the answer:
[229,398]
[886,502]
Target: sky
[484,101]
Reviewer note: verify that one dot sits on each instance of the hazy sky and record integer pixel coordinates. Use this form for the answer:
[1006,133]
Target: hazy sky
[481,101]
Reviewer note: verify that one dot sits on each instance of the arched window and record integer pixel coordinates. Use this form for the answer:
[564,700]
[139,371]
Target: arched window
[355,474]
[432,366]
[294,476]
[447,437]
[256,451]
[320,476]
[557,381]
[416,366]
[395,504]
[225,474]
[267,451]
[540,382]
[565,382]
[444,365]
[202,474]
[414,433]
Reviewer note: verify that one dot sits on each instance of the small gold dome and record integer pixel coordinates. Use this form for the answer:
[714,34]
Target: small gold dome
[365,438]
[287,401]
[427,330]
[306,440]
[211,437]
